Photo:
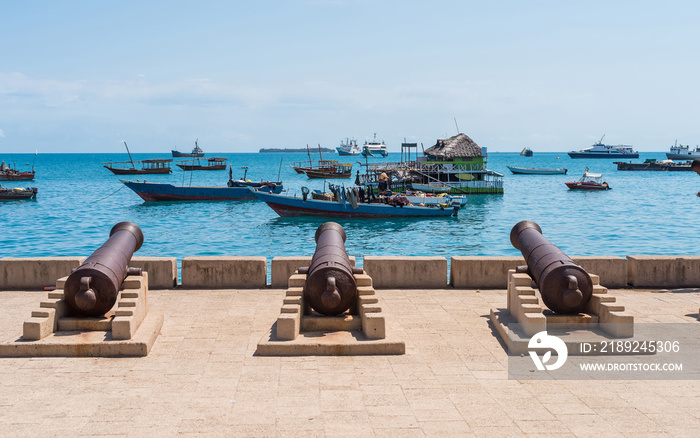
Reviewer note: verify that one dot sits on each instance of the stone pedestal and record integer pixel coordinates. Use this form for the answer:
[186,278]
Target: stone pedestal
[525,316]
[297,334]
[126,330]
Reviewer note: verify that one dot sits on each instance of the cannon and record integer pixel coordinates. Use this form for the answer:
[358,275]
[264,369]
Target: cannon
[330,286]
[565,286]
[92,288]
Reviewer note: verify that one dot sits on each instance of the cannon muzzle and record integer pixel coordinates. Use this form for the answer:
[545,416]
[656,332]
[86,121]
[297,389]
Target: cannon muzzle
[565,286]
[330,286]
[92,289]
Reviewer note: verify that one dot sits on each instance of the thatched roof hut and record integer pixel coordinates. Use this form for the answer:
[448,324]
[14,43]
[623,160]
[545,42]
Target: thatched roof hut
[459,146]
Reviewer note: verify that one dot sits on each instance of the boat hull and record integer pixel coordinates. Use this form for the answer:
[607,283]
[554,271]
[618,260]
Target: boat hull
[197,167]
[287,206]
[320,174]
[654,166]
[689,157]
[575,185]
[21,176]
[536,171]
[159,171]
[467,189]
[370,152]
[155,192]
[601,155]
[177,154]
[10,194]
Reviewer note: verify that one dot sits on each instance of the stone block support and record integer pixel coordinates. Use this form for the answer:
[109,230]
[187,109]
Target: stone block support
[162,271]
[35,273]
[224,272]
[669,272]
[611,270]
[281,268]
[407,272]
[482,272]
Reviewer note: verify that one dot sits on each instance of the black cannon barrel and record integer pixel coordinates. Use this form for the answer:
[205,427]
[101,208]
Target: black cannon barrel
[92,289]
[565,286]
[330,286]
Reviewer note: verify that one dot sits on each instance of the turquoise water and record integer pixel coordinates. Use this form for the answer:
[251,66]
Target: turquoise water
[79,201]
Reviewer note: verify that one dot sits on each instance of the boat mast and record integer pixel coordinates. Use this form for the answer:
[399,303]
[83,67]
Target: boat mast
[131,159]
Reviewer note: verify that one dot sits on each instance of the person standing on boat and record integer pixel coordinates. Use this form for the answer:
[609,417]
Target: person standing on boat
[383,184]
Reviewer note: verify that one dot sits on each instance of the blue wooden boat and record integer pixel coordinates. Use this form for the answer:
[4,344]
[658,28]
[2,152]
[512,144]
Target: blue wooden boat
[287,206]
[239,191]
[537,171]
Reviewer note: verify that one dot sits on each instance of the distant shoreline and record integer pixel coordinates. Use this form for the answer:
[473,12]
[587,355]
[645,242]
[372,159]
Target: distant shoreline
[275,150]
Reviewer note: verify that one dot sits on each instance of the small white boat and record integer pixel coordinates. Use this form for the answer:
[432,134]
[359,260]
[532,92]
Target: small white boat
[589,181]
[537,171]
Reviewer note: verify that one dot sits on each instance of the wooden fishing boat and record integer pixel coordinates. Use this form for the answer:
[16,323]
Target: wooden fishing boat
[322,168]
[18,193]
[145,167]
[8,173]
[589,181]
[139,167]
[238,190]
[157,192]
[347,206]
[537,171]
[526,152]
[215,163]
[16,175]
[329,169]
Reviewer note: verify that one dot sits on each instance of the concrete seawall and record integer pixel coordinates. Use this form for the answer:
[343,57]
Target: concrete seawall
[639,271]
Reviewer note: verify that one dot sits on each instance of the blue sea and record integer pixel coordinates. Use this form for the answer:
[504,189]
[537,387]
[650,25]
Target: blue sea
[79,201]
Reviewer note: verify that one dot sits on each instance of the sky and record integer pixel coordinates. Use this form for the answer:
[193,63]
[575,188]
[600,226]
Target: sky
[86,76]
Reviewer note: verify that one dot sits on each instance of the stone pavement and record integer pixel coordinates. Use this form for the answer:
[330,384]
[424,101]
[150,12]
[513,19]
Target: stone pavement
[202,377]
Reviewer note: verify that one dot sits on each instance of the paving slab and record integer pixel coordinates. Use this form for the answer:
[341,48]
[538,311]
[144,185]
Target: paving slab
[202,377]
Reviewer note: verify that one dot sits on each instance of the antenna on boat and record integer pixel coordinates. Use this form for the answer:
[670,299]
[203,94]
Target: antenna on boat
[458,131]
[131,159]
[601,139]
[280,169]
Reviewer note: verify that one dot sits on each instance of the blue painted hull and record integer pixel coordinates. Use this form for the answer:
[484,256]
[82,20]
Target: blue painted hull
[155,192]
[287,206]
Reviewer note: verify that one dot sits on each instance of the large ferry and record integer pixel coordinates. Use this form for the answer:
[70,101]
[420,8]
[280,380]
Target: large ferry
[374,148]
[600,150]
[680,152]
